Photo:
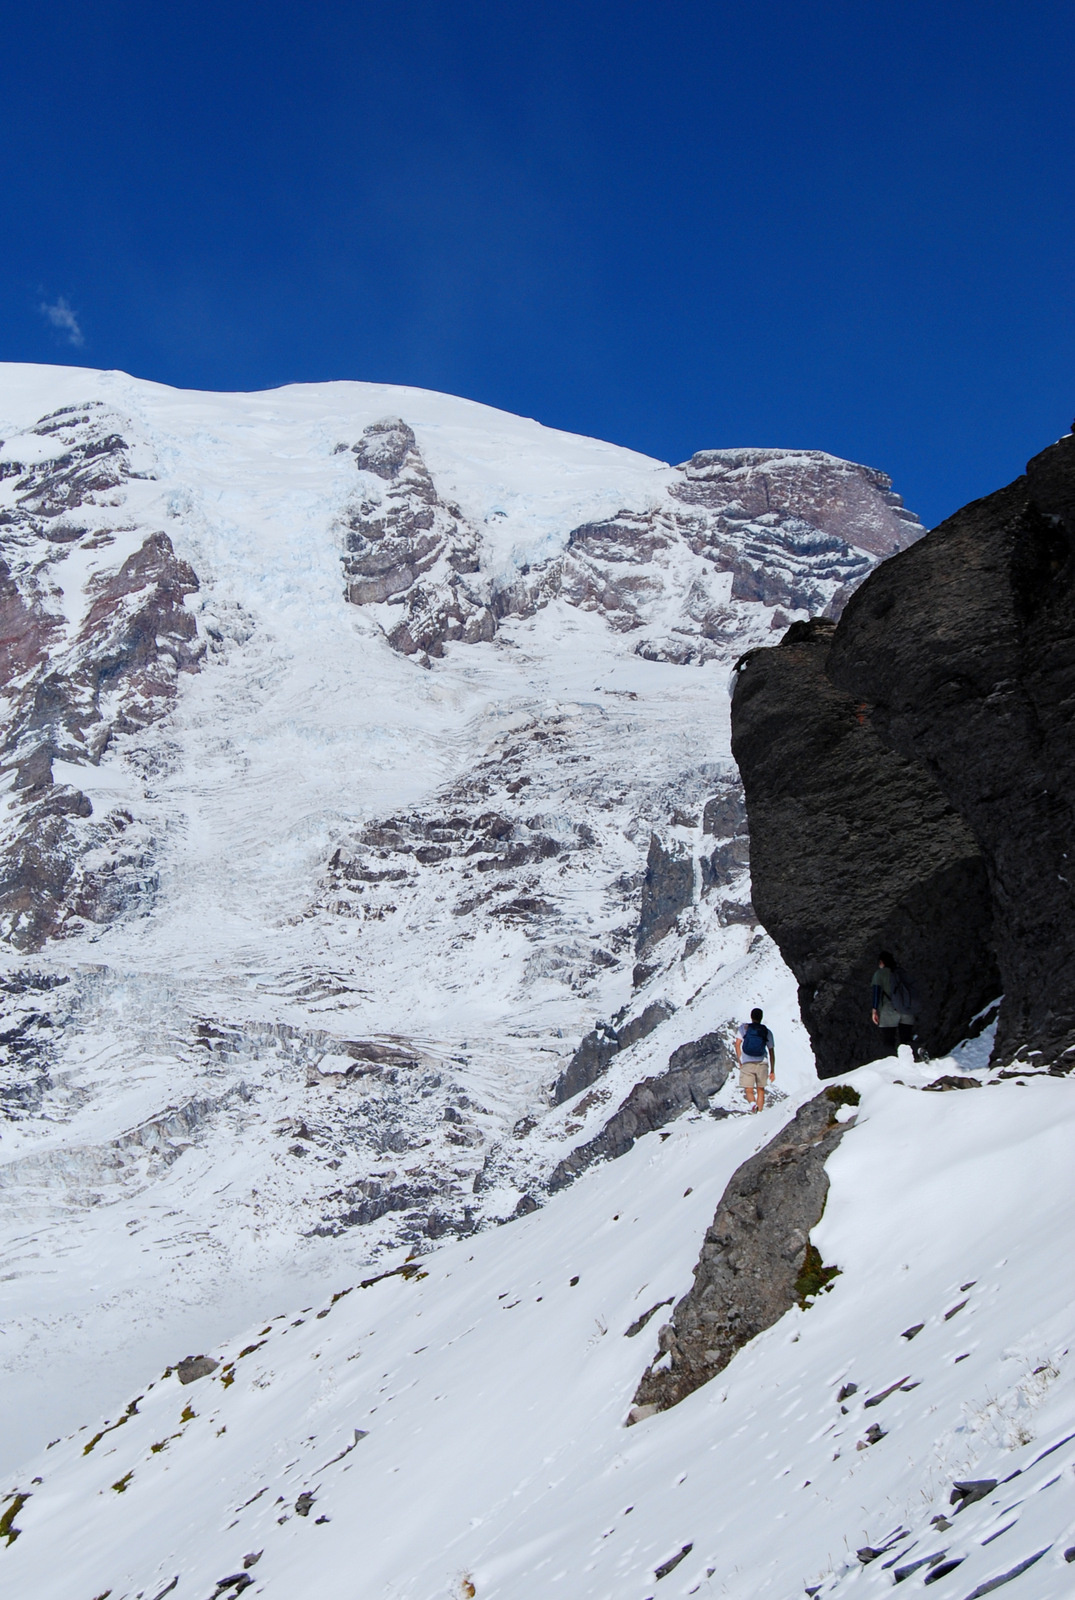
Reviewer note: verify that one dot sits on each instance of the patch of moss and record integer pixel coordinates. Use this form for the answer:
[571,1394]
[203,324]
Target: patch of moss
[813,1277]
[842,1094]
[187,1414]
[8,1529]
[227,1377]
[131,1411]
[121,1485]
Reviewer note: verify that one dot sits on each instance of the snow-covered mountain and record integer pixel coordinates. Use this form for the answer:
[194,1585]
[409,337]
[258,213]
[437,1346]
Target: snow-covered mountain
[373,863]
[250,844]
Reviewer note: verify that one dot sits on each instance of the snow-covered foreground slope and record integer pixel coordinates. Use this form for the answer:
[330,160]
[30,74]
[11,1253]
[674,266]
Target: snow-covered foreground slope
[302,926]
[460,1431]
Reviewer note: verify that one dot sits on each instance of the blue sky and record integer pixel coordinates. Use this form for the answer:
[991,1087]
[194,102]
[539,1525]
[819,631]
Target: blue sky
[834,225]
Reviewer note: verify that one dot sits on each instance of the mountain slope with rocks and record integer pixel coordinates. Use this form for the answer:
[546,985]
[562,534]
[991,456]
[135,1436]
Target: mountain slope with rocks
[358,749]
[378,913]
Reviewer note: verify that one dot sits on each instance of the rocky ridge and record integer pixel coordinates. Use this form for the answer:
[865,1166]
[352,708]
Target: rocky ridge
[796,530]
[85,659]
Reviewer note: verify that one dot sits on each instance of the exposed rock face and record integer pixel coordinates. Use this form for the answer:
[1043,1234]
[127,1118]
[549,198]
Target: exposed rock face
[668,888]
[191,1368]
[79,665]
[855,849]
[754,1253]
[965,651]
[852,502]
[591,1059]
[914,769]
[794,529]
[695,1072]
[406,546]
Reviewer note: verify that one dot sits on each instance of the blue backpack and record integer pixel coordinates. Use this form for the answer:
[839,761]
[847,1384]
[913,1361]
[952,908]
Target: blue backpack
[755,1041]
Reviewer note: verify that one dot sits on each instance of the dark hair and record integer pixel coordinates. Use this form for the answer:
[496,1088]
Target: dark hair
[886,958]
[756,1014]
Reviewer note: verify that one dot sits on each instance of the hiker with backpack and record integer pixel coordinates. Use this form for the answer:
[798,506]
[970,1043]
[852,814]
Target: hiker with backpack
[893,1003]
[753,1045]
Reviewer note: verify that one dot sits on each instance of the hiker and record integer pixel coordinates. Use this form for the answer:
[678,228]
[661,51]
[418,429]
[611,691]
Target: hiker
[753,1043]
[893,1004]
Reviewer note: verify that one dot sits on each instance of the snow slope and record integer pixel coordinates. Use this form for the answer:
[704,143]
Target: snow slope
[461,1431]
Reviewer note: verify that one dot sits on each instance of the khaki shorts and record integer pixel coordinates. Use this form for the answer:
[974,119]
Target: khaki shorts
[753,1074]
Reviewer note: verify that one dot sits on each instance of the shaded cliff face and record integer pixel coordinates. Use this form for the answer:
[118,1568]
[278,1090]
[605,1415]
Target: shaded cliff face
[855,849]
[965,650]
[913,767]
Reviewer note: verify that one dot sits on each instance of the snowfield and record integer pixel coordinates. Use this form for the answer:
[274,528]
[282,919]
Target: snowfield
[365,749]
[462,1428]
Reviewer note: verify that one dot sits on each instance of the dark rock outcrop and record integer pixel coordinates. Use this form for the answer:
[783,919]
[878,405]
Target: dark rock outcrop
[120,674]
[591,1059]
[855,849]
[725,814]
[667,889]
[909,779]
[754,1259]
[695,1071]
[964,650]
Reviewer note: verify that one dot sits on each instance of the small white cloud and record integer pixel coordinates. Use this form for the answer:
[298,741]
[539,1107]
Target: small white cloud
[63,319]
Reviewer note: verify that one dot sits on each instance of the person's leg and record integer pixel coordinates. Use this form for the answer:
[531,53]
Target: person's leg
[761,1097]
[889,1039]
[906,1033]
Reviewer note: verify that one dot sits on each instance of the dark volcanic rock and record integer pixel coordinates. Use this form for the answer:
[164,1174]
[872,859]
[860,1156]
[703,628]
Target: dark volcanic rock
[591,1059]
[725,814]
[755,1253]
[696,1071]
[963,651]
[855,848]
[668,889]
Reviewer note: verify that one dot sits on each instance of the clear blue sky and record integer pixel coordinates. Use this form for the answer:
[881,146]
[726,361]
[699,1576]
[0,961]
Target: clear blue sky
[846,224]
